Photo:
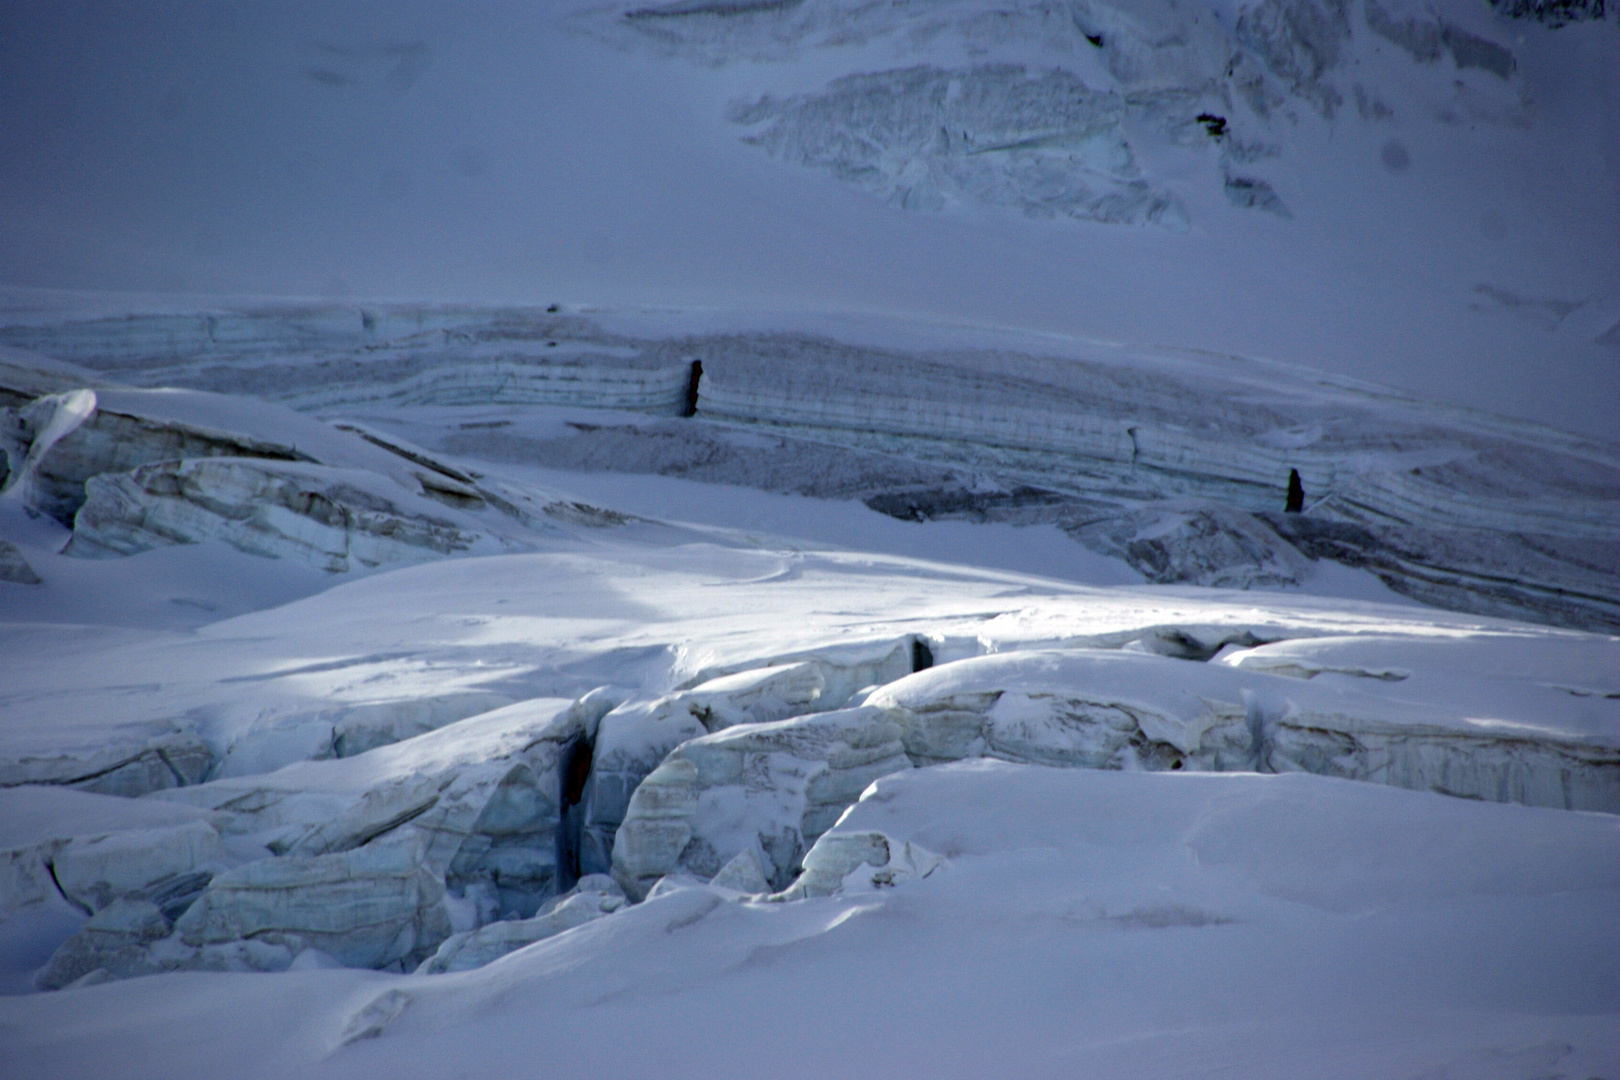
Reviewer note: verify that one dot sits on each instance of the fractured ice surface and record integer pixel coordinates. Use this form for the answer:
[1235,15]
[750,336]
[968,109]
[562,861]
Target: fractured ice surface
[336,519]
[767,788]
[95,848]
[1115,710]
[369,907]
[595,896]
[480,799]
[920,138]
[633,738]
[411,770]
[922,796]
[130,470]
[711,761]
[1062,99]
[1176,464]
[1184,893]
[355,856]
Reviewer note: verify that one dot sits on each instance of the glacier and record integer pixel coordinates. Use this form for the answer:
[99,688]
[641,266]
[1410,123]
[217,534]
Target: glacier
[502,723]
[1029,538]
[1467,512]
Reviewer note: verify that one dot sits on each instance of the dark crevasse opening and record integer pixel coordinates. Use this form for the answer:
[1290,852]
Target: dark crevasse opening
[1296,493]
[575,772]
[921,655]
[692,388]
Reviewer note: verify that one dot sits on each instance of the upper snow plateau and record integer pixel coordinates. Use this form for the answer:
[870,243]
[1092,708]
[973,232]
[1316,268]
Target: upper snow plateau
[1014,676]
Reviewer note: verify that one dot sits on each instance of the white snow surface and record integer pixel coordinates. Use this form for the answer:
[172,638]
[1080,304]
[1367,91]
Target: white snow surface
[1127,924]
[1306,825]
[1451,230]
[411,687]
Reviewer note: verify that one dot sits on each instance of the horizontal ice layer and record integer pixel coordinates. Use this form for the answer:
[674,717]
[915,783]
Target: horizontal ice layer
[1124,710]
[337,519]
[1177,464]
[1348,441]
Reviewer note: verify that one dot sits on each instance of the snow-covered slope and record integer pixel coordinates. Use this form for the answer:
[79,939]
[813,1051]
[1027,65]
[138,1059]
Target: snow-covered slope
[1178,463]
[509,737]
[1073,922]
[1447,169]
[712,682]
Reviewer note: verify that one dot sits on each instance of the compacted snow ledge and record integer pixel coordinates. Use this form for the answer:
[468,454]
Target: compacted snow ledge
[1068,922]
